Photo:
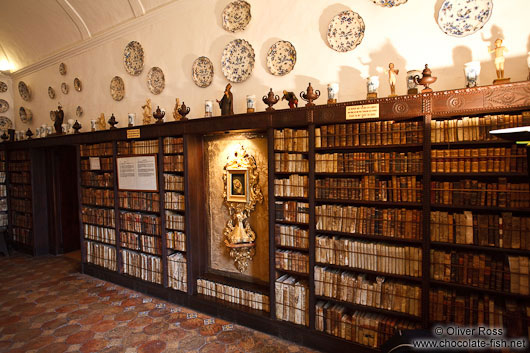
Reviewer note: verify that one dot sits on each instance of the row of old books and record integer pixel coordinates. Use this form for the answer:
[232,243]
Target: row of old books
[380,257]
[173,182]
[476,193]
[174,163]
[474,128]
[96,150]
[174,201]
[291,236]
[3,204]
[292,211]
[101,234]
[365,328]
[234,295]
[503,231]
[145,243]
[472,309]
[19,166]
[392,222]
[3,174]
[20,178]
[140,223]
[97,197]
[104,163]
[369,162]
[22,235]
[19,155]
[4,219]
[20,205]
[292,261]
[18,191]
[177,272]
[291,140]
[101,255]
[290,163]
[143,266]
[500,273]
[176,240]
[138,147]
[294,186]
[370,188]
[356,289]
[98,216]
[24,220]
[292,300]
[173,145]
[369,134]
[97,179]
[175,221]
[479,160]
[142,201]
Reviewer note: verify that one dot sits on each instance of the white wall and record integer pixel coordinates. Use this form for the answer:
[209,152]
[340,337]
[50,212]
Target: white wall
[407,35]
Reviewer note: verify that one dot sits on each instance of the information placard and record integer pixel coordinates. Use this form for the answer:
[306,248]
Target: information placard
[95,163]
[138,173]
[365,111]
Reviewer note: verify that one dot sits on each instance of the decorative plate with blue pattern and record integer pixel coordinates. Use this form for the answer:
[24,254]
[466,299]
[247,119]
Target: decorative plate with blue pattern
[238,60]
[389,3]
[281,58]
[236,16]
[156,80]
[345,31]
[202,71]
[460,18]
[133,58]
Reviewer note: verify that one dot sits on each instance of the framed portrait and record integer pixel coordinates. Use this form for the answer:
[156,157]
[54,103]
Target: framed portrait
[237,185]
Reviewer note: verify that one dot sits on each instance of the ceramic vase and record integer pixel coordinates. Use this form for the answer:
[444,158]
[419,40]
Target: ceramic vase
[333,92]
[412,86]
[251,104]
[472,71]
[208,108]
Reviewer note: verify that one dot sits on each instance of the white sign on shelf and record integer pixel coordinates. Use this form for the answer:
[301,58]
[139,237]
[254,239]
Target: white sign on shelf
[95,163]
[137,173]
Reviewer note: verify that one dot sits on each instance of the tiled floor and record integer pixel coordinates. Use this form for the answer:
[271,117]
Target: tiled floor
[46,305]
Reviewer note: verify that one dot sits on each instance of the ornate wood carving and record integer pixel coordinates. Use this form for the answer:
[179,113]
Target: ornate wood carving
[400,108]
[507,97]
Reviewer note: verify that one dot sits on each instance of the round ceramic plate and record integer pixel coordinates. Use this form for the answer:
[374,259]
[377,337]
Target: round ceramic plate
[64,88]
[155,80]
[389,3]
[281,58]
[117,88]
[202,71]
[5,123]
[236,16]
[345,31]
[77,85]
[133,58]
[79,111]
[3,87]
[4,106]
[460,18]
[62,69]
[51,92]
[25,115]
[237,61]
[23,90]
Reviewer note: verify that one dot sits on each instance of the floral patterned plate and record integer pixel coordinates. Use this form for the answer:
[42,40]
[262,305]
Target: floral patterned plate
[64,88]
[202,72]
[389,3]
[79,111]
[4,106]
[155,80]
[62,69]
[23,90]
[345,31]
[5,123]
[133,58]
[460,18]
[236,16]
[3,87]
[238,60]
[25,115]
[51,92]
[117,88]
[281,58]
[77,85]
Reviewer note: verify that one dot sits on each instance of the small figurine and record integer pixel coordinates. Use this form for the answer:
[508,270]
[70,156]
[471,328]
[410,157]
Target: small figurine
[270,100]
[101,123]
[392,78]
[227,102]
[112,122]
[290,97]
[76,127]
[159,115]
[147,112]
[59,117]
[176,114]
[499,51]
[4,136]
[183,111]
[310,95]
[426,79]
[29,133]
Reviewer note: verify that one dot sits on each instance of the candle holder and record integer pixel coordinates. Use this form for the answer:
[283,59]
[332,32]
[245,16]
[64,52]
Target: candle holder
[310,96]
[183,111]
[159,115]
[112,121]
[270,100]
[76,127]
[426,80]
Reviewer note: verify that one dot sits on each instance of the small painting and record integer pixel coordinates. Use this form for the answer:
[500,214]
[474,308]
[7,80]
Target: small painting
[237,185]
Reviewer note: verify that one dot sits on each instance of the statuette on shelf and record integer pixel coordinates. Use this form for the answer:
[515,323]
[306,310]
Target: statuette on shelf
[29,133]
[290,97]
[372,84]
[270,100]
[333,93]
[176,114]
[159,115]
[392,78]
[499,51]
[251,103]
[227,102]
[76,127]
[310,95]
[58,121]
[112,122]
[426,79]
[101,123]
[147,112]
[412,86]
[208,108]
[471,71]
[4,136]
[183,111]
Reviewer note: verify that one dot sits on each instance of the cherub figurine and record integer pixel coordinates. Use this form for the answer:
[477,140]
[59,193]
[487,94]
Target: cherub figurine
[227,102]
[392,77]
[499,51]
[101,123]
[147,112]
[176,114]
[290,97]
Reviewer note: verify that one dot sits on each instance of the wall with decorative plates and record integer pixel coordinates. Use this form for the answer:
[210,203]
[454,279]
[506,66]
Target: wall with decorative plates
[176,34]
[7,102]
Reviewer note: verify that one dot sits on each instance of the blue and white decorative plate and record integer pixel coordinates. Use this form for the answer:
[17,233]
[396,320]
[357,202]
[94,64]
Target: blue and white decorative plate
[64,88]
[3,87]
[202,72]
[156,80]
[236,16]
[25,115]
[23,90]
[281,58]
[346,31]
[51,92]
[62,69]
[5,123]
[77,85]
[133,58]
[79,111]
[389,3]
[460,18]
[238,60]
[117,88]
[4,106]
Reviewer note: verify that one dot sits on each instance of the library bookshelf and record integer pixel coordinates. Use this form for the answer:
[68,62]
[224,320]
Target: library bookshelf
[413,218]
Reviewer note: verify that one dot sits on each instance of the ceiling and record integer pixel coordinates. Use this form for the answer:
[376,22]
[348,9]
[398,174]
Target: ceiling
[32,30]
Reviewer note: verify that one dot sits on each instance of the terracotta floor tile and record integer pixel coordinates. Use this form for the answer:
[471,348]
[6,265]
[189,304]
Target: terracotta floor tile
[140,321]
[54,348]
[94,345]
[67,330]
[39,342]
[55,323]
[80,337]
[229,336]
[155,346]
[192,324]
[214,347]
[104,326]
